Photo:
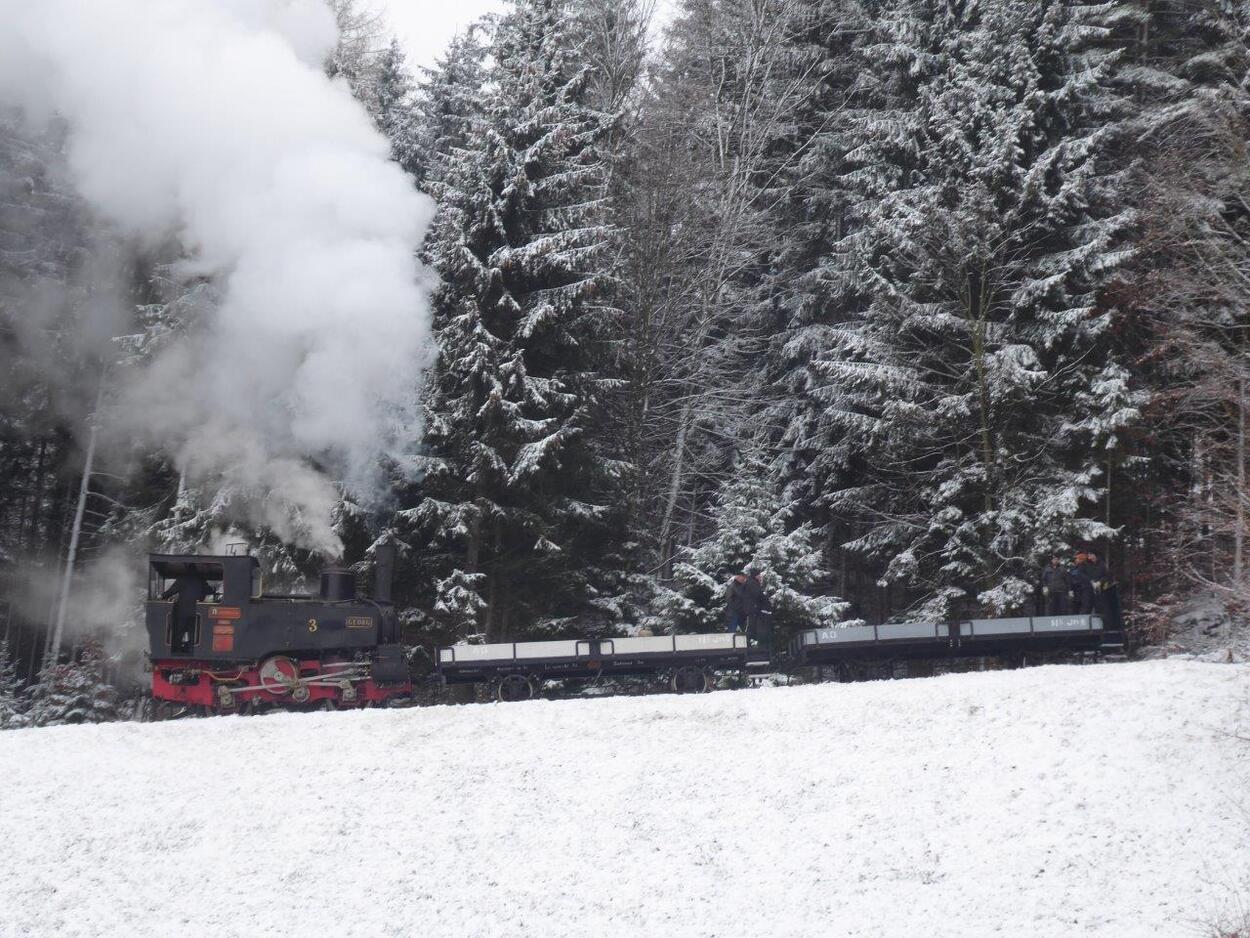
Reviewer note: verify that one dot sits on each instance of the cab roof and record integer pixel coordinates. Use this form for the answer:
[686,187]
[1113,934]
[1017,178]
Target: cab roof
[209,566]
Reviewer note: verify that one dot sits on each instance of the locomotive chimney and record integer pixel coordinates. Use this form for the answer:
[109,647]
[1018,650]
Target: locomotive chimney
[383,570]
[338,585]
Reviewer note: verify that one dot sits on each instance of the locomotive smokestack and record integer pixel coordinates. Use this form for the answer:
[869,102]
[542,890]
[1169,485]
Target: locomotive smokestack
[383,570]
[338,585]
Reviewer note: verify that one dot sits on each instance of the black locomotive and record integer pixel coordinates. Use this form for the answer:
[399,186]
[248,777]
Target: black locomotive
[219,643]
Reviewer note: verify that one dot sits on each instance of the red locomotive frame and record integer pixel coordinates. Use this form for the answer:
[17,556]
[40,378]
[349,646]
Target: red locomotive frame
[201,684]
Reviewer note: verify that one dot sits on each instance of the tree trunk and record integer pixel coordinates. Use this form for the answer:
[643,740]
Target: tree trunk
[1239,534]
[489,624]
[84,490]
[674,487]
[979,304]
[28,529]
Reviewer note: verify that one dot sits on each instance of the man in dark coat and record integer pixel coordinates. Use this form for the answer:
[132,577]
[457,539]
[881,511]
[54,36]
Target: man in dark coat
[745,602]
[1082,586]
[186,591]
[759,609]
[1056,585]
[736,604]
[1096,571]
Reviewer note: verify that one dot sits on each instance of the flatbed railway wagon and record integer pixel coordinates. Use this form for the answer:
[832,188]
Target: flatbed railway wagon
[690,663]
[684,663]
[1017,640]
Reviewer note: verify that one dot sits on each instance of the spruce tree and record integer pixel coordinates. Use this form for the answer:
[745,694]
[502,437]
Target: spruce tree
[447,104]
[204,520]
[517,497]
[12,707]
[985,224]
[73,692]
[811,194]
[390,103]
[753,529]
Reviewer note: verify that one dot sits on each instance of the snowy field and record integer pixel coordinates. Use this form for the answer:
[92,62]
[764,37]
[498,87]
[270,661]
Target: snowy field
[1058,801]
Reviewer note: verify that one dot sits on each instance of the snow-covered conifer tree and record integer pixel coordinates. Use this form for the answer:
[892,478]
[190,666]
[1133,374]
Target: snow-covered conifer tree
[12,708]
[752,529]
[390,102]
[73,692]
[516,496]
[204,519]
[985,225]
[811,197]
[448,101]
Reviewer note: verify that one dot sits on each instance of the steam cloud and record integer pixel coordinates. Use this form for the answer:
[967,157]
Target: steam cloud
[212,121]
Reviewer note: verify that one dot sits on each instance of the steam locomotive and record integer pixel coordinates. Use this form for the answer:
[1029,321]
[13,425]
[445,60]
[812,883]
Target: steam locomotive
[219,643]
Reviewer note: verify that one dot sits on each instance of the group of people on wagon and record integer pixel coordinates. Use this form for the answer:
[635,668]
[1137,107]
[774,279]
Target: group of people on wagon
[746,604]
[1075,587]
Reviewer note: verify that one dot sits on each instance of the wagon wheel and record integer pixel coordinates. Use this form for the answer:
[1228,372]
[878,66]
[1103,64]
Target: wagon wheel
[689,680]
[514,687]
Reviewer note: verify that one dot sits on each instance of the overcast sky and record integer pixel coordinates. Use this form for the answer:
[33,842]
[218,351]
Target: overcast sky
[425,26]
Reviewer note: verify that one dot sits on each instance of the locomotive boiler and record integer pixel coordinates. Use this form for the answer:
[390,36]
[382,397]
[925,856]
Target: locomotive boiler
[220,644]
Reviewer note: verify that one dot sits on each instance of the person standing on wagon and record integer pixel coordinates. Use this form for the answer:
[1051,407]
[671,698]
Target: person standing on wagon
[745,602]
[735,603]
[1056,585]
[1082,585]
[1096,572]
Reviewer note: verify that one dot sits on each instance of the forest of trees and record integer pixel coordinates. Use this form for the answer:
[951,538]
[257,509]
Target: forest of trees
[895,298]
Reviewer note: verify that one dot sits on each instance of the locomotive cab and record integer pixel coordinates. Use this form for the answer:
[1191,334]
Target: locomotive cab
[180,588]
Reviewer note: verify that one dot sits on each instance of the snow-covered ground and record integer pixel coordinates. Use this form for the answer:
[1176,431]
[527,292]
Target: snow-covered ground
[1057,801]
[1204,628]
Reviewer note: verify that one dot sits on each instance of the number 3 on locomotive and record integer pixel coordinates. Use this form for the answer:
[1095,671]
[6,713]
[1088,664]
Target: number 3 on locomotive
[312,625]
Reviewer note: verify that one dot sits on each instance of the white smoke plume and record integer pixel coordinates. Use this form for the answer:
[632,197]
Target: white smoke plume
[212,121]
[106,605]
